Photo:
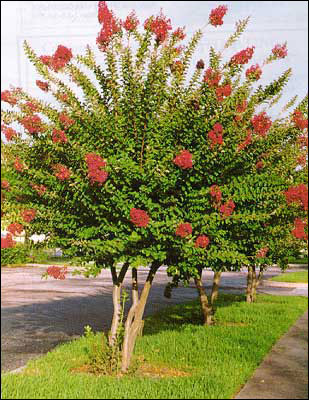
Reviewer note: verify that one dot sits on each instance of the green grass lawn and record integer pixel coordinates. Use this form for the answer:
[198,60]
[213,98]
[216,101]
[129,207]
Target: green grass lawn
[295,277]
[198,362]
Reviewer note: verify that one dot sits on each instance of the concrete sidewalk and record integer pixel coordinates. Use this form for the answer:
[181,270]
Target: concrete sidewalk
[284,372]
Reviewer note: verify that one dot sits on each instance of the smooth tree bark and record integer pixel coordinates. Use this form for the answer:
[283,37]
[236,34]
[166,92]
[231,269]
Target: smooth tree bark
[253,281]
[205,304]
[215,286]
[134,321]
[117,287]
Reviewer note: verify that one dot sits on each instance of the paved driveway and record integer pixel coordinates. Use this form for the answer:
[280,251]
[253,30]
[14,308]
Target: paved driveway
[37,314]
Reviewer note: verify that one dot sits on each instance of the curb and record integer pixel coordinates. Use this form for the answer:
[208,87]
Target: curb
[266,282]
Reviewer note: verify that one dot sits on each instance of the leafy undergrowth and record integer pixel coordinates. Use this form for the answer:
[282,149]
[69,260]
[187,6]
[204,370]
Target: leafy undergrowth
[294,277]
[177,358]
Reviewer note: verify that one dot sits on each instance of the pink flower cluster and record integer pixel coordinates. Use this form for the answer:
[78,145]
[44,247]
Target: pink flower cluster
[262,252]
[8,97]
[246,142]
[32,123]
[297,194]
[9,132]
[110,25]
[202,241]
[280,51]
[216,193]
[5,184]
[7,242]
[65,120]
[31,106]
[216,15]
[60,59]
[227,208]
[57,272]
[261,123]
[131,22]
[18,165]
[159,25]
[243,56]
[299,229]
[212,77]
[42,85]
[96,171]
[15,228]
[223,91]
[40,189]
[184,159]
[62,172]
[184,229]
[215,135]
[28,215]
[59,136]
[254,72]
[300,121]
[139,217]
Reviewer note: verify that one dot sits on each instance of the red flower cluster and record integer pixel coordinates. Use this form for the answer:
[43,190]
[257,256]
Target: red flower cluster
[184,159]
[8,97]
[280,51]
[243,56]
[96,172]
[66,120]
[110,26]
[254,72]
[179,33]
[227,208]
[57,272]
[211,77]
[223,91]
[262,252]
[62,172]
[299,120]
[15,228]
[41,189]
[297,194]
[59,136]
[159,26]
[9,132]
[60,59]
[216,15]
[299,229]
[5,185]
[28,215]
[241,107]
[215,192]
[303,141]
[18,165]
[42,85]
[184,230]
[215,135]
[131,22]
[31,106]
[202,241]
[7,242]
[32,123]
[139,217]
[302,159]
[261,123]
[259,165]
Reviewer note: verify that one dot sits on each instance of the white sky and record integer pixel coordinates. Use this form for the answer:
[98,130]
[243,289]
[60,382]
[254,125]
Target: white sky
[45,24]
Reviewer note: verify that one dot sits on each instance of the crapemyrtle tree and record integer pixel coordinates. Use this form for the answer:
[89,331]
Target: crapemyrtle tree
[149,166]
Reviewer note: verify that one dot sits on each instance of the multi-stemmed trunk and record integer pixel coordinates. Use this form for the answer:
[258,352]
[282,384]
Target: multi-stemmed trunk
[206,304]
[134,322]
[253,282]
